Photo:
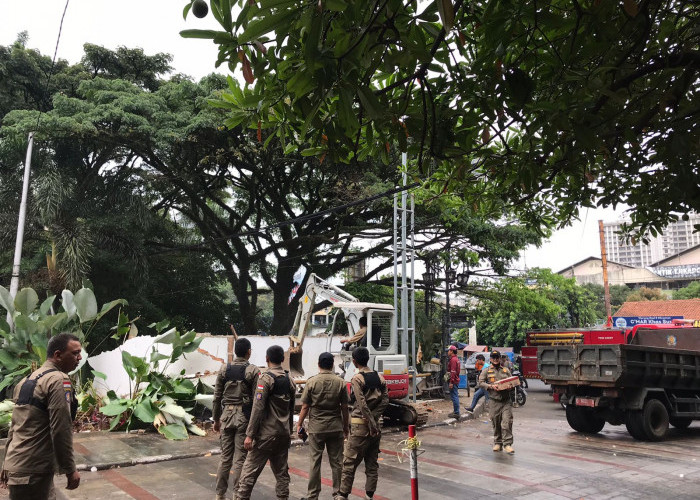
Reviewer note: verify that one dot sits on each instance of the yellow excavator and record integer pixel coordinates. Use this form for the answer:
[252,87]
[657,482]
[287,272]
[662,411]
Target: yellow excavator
[380,338]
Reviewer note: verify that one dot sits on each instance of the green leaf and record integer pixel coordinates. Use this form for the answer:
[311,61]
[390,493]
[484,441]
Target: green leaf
[335,5]
[4,327]
[8,361]
[115,408]
[145,411]
[447,13]
[45,306]
[6,300]
[370,102]
[25,328]
[97,374]
[202,34]
[86,304]
[26,301]
[109,306]
[264,25]
[175,410]
[186,10]
[176,432]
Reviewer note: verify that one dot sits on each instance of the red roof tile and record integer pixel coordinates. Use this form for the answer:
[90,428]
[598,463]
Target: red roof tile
[689,309]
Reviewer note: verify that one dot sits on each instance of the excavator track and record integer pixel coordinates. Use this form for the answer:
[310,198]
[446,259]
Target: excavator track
[406,413]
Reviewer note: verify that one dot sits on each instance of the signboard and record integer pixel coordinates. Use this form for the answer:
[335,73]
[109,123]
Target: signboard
[688,271]
[630,321]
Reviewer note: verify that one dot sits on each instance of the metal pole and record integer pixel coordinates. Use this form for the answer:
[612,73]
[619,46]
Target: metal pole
[14,282]
[404,268]
[413,457]
[413,296]
[606,286]
[396,251]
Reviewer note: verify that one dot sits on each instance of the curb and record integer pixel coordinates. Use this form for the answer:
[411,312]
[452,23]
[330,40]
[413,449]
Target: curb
[217,451]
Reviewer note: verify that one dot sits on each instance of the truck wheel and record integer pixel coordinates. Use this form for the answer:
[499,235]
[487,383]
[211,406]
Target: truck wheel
[655,420]
[680,422]
[634,422]
[584,420]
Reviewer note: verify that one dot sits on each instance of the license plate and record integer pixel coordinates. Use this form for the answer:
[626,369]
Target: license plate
[585,402]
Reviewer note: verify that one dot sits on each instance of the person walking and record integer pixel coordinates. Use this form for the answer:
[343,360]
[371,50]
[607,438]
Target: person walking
[370,398]
[500,407]
[325,401]
[269,431]
[233,403]
[479,393]
[453,367]
[41,432]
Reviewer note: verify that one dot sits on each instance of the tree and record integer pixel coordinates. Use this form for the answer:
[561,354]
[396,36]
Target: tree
[546,105]
[261,214]
[692,291]
[89,216]
[509,307]
[618,296]
[644,293]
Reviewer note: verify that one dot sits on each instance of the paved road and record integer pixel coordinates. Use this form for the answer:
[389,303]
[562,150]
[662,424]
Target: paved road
[551,462]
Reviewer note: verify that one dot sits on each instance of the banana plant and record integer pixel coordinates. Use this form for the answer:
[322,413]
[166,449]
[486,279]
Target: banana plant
[33,324]
[156,399]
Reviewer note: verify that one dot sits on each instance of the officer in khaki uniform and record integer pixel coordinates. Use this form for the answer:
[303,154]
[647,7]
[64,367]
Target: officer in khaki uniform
[500,407]
[325,400]
[370,398]
[270,427]
[233,402]
[41,434]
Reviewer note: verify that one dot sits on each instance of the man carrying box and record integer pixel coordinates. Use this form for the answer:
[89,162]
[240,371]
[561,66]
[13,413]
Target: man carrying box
[500,407]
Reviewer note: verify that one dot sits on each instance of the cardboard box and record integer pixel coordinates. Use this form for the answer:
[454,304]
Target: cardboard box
[507,383]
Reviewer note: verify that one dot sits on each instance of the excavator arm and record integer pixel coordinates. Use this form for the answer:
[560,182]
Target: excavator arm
[316,288]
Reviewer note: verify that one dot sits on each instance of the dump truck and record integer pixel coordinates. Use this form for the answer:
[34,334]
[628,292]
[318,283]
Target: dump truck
[647,383]
[381,339]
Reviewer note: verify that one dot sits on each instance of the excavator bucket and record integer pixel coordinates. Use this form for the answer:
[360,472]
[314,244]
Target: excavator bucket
[293,362]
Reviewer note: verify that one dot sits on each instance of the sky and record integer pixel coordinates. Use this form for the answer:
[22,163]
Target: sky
[154,25]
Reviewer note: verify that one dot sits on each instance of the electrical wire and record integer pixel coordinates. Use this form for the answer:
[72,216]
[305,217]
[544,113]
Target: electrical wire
[53,61]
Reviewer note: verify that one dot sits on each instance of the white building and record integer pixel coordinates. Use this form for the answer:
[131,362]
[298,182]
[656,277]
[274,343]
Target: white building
[676,238]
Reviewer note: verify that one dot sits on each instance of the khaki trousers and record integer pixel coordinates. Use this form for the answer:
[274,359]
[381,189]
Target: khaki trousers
[333,442]
[276,450]
[502,420]
[360,446]
[232,454]
[31,486]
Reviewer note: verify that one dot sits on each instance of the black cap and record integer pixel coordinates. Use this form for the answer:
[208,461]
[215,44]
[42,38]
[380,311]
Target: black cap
[495,354]
[325,360]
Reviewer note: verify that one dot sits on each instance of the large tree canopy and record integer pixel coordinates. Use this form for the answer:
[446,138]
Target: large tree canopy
[89,216]
[260,213]
[543,105]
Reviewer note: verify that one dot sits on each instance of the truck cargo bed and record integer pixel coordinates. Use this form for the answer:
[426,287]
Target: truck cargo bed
[620,366]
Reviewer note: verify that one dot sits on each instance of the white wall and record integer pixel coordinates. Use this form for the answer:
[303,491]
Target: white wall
[203,363]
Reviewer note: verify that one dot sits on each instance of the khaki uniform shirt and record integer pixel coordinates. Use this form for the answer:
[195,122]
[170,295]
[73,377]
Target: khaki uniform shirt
[325,393]
[272,413]
[41,442]
[368,406]
[355,339]
[231,395]
[491,375]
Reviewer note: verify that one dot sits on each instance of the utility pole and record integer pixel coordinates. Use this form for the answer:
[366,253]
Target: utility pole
[14,282]
[606,286]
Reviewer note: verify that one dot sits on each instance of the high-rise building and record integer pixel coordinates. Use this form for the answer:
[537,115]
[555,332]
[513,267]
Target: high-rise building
[675,238]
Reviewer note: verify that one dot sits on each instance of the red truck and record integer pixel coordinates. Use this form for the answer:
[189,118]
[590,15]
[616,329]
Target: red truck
[647,382]
[586,336]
